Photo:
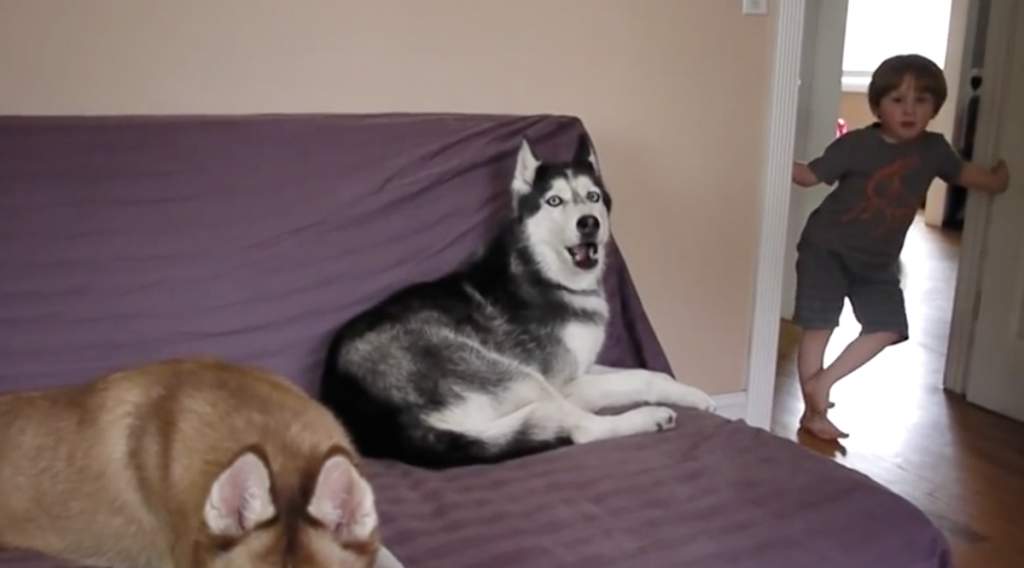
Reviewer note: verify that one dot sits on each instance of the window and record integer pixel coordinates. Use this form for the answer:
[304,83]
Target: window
[878,29]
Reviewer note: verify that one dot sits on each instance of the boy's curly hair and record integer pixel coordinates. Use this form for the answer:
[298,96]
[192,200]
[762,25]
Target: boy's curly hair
[889,76]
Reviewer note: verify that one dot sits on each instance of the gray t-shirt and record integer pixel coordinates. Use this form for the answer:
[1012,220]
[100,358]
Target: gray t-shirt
[881,187]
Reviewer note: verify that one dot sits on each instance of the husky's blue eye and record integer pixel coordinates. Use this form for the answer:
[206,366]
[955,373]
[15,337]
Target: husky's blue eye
[553,201]
[594,196]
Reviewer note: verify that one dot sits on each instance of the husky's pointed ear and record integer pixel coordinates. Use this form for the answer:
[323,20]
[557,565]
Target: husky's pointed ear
[526,169]
[343,501]
[584,152]
[239,498]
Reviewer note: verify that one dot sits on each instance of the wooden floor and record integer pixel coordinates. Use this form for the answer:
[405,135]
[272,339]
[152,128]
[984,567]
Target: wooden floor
[963,466]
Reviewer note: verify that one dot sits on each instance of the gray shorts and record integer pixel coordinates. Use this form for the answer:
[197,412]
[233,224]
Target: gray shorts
[825,278]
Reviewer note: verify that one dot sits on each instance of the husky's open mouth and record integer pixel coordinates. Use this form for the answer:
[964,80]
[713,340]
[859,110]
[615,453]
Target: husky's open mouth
[584,255]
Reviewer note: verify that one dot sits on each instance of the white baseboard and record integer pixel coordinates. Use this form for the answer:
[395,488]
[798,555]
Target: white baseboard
[731,405]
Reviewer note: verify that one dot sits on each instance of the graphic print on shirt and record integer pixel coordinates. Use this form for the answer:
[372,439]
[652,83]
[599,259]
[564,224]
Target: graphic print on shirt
[884,197]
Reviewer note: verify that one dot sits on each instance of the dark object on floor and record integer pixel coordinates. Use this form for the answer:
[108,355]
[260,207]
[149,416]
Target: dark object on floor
[956,195]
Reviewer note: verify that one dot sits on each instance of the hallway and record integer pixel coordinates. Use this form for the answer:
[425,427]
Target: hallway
[962,465]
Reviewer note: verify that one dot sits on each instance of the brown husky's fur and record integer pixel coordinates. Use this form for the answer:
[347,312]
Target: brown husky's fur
[183,464]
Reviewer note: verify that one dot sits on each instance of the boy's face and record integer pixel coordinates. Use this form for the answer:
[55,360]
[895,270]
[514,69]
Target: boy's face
[905,112]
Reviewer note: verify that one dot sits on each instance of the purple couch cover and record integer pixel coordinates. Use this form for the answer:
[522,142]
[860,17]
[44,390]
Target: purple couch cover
[124,240]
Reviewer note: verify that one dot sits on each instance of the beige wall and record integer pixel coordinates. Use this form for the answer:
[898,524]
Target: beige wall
[674,92]
[854,109]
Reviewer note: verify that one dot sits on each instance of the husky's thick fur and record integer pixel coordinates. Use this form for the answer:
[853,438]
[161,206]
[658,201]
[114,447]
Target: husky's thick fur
[183,464]
[496,360]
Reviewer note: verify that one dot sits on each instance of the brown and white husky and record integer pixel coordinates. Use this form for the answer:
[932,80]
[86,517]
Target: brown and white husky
[191,463]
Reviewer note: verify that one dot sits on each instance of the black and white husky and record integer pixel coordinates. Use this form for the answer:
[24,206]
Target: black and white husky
[496,360]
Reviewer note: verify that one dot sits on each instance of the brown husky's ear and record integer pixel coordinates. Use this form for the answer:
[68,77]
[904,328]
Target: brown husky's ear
[343,501]
[240,497]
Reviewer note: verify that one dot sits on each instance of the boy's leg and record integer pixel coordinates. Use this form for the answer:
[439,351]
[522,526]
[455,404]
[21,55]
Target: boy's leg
[811,355]
[856,354]
[821,287]
[877,302]
[815,417]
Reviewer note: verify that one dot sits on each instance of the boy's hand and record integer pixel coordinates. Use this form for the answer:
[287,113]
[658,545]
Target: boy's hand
[803,176]
[1002,176]
[993,180]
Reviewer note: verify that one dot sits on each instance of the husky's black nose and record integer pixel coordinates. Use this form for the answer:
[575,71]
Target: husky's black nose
[588,225]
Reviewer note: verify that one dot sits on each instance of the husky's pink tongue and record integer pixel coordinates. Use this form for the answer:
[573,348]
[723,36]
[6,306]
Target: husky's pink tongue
[580,253]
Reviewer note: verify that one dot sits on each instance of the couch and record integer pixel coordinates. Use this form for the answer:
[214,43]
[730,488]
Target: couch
[125,239]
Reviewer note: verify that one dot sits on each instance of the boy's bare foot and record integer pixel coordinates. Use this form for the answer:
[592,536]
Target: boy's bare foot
[815,417]
[816,395]
[818,424]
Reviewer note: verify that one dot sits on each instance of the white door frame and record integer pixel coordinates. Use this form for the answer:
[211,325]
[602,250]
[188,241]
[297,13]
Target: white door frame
[774,206]
[979,206]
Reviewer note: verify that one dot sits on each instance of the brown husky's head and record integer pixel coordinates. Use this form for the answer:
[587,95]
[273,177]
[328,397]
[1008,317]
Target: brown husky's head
[325,518]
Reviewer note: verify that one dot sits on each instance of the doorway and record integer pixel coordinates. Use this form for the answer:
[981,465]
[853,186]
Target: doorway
[841,48]
[952,446]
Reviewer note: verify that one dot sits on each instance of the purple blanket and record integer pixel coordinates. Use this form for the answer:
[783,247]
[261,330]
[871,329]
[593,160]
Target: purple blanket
[124,240]
[127,240]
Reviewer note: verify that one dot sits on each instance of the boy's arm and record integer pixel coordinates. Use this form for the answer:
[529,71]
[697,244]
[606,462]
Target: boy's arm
[994,180]
[958,171]
[803,175]
[831,165]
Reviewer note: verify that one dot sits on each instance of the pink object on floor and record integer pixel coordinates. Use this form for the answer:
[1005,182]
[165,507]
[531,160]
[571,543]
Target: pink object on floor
[840,127]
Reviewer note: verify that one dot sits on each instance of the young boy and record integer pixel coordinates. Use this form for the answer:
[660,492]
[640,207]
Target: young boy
[851,244]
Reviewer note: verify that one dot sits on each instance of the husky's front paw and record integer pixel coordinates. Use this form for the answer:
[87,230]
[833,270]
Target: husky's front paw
[637,421]
[663,389]
[652,418]
[695,398]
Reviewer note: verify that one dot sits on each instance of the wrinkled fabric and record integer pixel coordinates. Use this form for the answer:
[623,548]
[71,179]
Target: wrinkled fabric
[124,240]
